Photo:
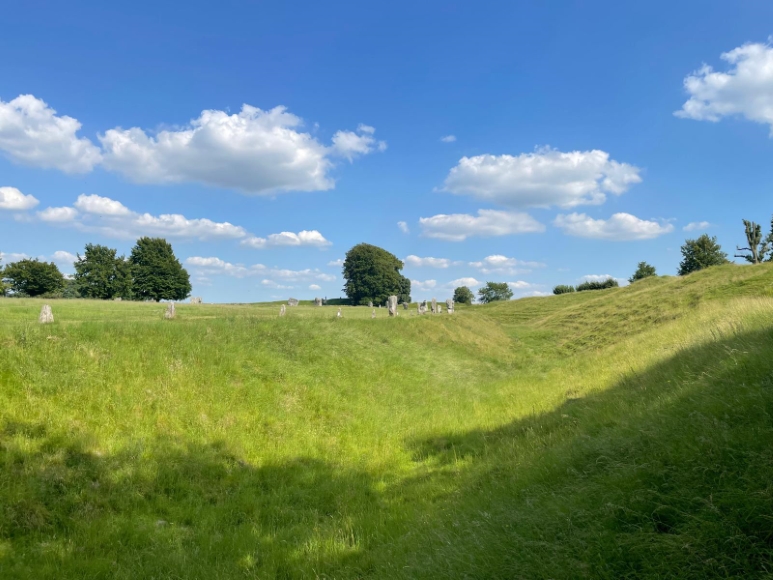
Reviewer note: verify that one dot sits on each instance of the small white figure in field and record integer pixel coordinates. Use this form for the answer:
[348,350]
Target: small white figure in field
[282,310]
[169,314]
[373,314]
[46,315]
[339,313]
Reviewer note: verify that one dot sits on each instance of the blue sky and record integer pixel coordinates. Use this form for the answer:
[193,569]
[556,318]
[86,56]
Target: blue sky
[531,144]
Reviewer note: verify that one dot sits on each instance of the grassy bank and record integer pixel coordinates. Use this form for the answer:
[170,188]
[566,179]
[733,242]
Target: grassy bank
[610,434]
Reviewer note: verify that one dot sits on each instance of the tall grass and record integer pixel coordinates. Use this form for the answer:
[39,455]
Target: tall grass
[620,433]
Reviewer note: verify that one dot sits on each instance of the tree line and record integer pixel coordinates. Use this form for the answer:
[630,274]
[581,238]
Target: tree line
[150,272]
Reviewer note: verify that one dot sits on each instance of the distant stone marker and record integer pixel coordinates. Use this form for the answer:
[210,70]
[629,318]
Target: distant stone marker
[373,314]
[169,314]
[282,310]
[119,299]
[434,306]
[46,315]
[422,308]
[318,302]
[339,313]
[370,304]
[392,305]
[292,302]
[405,306]
[195,299]
[439,309]
[450,305]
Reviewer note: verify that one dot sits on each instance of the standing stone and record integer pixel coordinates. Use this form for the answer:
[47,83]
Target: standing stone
[373,314]
[339,315]
[119,299]
[423,307]
[370,304]
[405,306]
[46,315]
[318,302]
[282,310]
[439,309]
[292,302]
[392,305]
[169,314]
[434,306]
[450,305]
[195,299]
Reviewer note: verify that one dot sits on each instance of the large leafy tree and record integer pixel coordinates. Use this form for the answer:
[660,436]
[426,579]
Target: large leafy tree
[372,273]
[158,274]
[463,295]
[643,270]
[99,273]
[495,291]
[701,253]
[33,277]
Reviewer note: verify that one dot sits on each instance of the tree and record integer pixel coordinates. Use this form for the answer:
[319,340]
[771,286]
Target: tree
[3,286]
[33,277]
[463,295]
[100,274]
[494,291]
[157,273]
[563,289]
[643,270]
[757,246]
[373,274]
[701,253]
[598,285]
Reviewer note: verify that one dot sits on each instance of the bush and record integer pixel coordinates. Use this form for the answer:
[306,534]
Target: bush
[563,289]
[603,285]
[644,270]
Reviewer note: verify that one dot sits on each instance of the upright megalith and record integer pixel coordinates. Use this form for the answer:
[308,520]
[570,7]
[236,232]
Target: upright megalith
[373,314]
[370,304]
[46,315]
[339,315]
[292,302]
[282,310]
[392,305]
[196,300]
[422,307]
[318,302]
[169,313]
[405,306]
[434,306]
[450,305]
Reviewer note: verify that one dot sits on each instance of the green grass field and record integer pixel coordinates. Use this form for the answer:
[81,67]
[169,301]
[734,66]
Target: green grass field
[623,433]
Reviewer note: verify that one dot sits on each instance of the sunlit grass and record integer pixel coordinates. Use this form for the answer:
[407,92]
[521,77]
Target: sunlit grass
[617,433]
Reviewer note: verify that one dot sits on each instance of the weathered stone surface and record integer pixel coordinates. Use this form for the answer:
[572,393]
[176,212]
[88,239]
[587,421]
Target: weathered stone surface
[292,302]
[46,315]
[422,307]
[169,313]
[434,306]
[318,302]
[439,309]
[339,315]
[370,304]
[405,306]
[392,305]
[282,310]
[450,305]
[373,314]
[196,300]
[119,299]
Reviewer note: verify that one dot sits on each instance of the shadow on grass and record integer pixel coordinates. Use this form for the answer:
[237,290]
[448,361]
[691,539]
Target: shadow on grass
[668,474]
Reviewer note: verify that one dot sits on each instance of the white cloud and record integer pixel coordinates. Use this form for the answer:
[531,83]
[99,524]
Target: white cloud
[403,227]
[350,144]
[458,227]
[692,226]
[101,205]
[306,275]
[64,258]
[417,262]
[271,284]
[469,282]
[745,90]
[9,257]
[542,179]
[448,139]
[425,286]
[210,266]
[304,238]
[520,285]
[315,287]
[337,263]
[58,214]
[32,133]
[14,200]
[254,151]
[619,227]
[498,264]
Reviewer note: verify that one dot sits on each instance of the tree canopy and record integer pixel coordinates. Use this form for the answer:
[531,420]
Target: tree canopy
[33,277]
[756,246]
[494,291]
[701,253]
[158,274]
[643,270]
[373,274]
[100,274]
[463,295]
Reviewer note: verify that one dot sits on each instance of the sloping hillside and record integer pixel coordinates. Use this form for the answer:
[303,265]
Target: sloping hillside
[609,434]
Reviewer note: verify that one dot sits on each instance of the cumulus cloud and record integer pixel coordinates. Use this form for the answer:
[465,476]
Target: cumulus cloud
[520,285]
[276,285]
[14,200]
[350,144]
[619,227]
[33,134]
[315,287]
[745,89]
[459,227]
[9,257]
[423,286]
[211,266]
[417,262]
[544,178]
[337,263]
[499,264]
[403,227]
[64,258]
[304,238]
[112,219]
[448,139]
[692,226]
[468,281]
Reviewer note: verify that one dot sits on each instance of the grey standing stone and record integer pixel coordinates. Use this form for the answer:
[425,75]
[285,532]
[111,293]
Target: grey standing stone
[434,306]
[46,315]
[318,302]
[439,309]
[119,299]
[370,304]
[339,315]
[282,310]
[423,307]
[373,314]
[405,306]
[292,302]
[196,300]
[450,305]
[392,305]
[169,314]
